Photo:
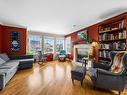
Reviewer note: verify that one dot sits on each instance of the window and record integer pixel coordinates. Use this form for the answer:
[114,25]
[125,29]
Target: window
[48,45]
[68,45]
[35,44]
[59,44]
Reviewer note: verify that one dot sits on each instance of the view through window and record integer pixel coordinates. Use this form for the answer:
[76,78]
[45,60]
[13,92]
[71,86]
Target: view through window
[35,44]
[59,44]
[48,45]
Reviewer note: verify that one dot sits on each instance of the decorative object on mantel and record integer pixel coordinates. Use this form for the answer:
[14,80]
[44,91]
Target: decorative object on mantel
[15,41]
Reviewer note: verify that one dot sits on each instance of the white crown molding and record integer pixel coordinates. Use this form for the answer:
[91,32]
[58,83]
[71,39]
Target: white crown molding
[1,23]
[11,25]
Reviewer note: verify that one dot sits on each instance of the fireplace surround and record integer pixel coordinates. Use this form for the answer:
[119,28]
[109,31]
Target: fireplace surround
[80,51]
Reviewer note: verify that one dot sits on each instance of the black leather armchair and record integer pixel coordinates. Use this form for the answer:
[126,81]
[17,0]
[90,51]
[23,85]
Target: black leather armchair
[106,79]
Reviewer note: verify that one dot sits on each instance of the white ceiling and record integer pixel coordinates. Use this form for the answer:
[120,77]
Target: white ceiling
[58,16]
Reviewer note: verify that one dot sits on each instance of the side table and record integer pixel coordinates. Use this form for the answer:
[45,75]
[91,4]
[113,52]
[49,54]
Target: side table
[85,60]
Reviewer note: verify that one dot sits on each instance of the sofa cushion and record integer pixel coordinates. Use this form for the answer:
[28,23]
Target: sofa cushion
[1,61]
[4,57]
[11,63]
[8,66]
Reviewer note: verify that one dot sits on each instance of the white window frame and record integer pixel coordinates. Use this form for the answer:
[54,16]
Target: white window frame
[68,44]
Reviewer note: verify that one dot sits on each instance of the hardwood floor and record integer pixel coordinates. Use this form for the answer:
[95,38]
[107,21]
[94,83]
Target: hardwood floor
[52,78]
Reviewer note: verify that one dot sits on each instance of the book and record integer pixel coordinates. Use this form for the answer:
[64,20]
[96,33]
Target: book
[109,36]
[113,46]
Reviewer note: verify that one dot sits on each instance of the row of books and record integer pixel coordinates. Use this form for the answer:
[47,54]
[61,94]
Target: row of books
[104,54]
[114,46]
[122,35]
[105,46]
[106,36]
[114,26]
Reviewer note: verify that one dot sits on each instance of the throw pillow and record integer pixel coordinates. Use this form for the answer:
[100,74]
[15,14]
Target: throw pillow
[4,57]
[1,61]
[117,66]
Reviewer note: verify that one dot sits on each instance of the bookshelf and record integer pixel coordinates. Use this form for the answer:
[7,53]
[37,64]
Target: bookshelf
[112,37]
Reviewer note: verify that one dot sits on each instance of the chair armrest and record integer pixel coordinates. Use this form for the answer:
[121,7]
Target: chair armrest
[108,73]
[101,65]
[113,78]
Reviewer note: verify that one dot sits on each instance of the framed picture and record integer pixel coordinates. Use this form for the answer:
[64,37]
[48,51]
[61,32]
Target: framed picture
[83,35]
[15,41]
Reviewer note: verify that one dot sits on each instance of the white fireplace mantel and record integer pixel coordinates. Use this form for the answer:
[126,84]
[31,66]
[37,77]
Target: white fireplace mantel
[86,48]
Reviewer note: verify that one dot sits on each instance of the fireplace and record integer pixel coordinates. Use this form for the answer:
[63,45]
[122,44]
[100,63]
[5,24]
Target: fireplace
[81,51]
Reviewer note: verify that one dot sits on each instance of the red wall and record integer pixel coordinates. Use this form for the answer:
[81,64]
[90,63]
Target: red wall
[92,34]
[6,40]
[0,38]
